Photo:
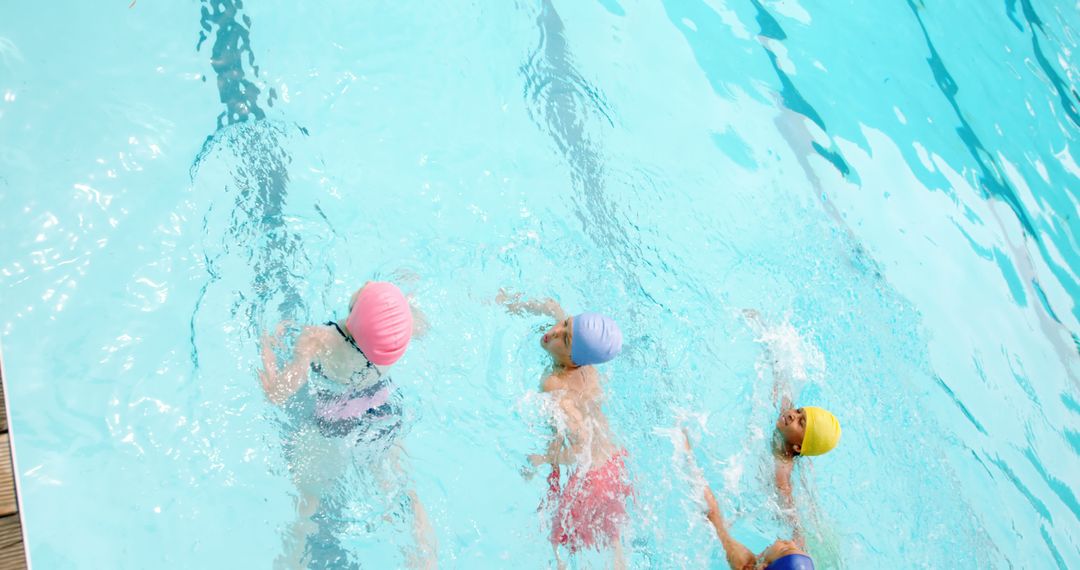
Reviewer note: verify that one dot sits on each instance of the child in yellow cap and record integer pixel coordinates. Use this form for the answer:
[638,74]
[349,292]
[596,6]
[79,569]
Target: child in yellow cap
[807,431]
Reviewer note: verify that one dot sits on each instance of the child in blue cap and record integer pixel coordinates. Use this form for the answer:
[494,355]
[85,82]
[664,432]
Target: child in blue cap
[590,509]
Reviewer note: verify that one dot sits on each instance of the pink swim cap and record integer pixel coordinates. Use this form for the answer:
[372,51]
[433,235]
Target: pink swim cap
[381,322]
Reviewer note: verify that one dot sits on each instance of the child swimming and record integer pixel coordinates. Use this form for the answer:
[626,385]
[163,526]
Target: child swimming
[800,432]
[350,412]
[780,555]
[590,509]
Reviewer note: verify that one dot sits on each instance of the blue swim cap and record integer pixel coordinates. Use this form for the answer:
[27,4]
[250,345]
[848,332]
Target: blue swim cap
[792,562]
[596,339]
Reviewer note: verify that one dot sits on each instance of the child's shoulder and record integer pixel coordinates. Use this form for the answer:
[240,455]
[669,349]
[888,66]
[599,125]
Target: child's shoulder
[316,339]
[588,377]
[321,332]
[552,382]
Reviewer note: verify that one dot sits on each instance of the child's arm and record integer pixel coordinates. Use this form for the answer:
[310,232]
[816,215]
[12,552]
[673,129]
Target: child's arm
[421,326]
[515,305]
[781,390]
[784,467]
[738,555]
[557,453]
[281,384]
[426,545]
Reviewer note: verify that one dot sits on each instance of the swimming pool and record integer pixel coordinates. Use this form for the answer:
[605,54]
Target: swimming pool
[891,185]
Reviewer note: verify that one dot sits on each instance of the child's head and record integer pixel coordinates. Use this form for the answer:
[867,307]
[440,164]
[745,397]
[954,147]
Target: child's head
[588,338]
[785,555]
[380,322]
[809,430]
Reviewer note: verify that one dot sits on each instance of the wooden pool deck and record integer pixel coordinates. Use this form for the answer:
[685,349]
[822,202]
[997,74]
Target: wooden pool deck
[12,553]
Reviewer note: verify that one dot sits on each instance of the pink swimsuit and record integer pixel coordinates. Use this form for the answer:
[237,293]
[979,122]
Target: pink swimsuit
[591,510]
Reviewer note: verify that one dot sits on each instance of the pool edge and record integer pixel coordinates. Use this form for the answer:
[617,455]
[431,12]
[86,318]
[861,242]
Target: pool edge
[18,514]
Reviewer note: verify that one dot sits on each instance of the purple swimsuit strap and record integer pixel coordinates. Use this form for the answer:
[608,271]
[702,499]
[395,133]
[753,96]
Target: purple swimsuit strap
[351,408]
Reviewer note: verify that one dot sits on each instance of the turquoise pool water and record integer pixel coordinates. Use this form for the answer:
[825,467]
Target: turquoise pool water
[892,184]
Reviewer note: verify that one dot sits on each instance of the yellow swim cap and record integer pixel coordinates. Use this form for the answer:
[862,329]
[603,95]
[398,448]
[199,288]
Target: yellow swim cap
[822,431]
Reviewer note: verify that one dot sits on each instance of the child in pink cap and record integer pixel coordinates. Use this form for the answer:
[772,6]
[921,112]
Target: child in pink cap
[349,409]
[590,509]
[354,352]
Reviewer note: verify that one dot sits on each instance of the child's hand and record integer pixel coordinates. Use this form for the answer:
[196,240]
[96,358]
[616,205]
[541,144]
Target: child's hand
[527,472]
[510,299]
[753,318]
[516,306]
[535,460]
[267,381]
[267,346]
[269,372]
[421,326]
[279,331]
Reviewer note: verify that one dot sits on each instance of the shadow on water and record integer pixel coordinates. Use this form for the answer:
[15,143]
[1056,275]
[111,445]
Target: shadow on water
[563,103]
[991,181]
[790,96]
[793,112]
[232,42]
[994,185]
[257,152]
[1068,95]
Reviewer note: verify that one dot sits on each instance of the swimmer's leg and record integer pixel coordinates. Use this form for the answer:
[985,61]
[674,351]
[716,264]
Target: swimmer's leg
[558,559]
[295,539]
[325,548]
[425,554]
[620,559]
[426,546]
[315,463]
